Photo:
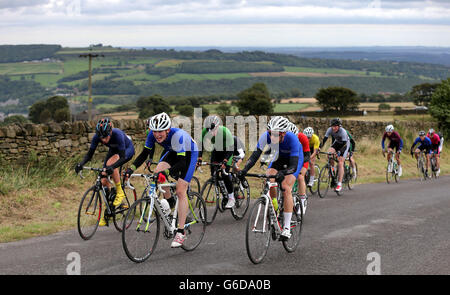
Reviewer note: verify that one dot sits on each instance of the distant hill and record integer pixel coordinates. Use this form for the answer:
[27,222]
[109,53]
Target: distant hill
[121,75]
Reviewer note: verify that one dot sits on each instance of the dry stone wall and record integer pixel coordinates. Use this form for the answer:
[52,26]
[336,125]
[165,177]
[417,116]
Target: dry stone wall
[17,141]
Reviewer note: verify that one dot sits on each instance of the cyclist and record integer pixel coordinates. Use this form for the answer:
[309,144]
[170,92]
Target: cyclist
[435,144]
[350,153]
[289,152]
[340,146]
[395,142]
[121,150]
[306,156]
[425,146]
[441,136]
[178,159]
[221,140]
[314,144]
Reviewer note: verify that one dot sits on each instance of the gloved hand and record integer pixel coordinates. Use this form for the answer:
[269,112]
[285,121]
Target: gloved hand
[109,170]
[162,176]
[279,177]
[241,173]
[78,168]
[128,172]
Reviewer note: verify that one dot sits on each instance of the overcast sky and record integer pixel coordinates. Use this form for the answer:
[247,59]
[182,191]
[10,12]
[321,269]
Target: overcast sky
[226,22]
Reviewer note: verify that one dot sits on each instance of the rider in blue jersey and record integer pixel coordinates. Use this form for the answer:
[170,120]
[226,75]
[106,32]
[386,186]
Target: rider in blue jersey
[286,164]
[425,146]
[178,159]
[121,150]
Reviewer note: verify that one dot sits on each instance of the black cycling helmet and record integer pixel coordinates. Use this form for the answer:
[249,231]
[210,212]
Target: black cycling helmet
[336,122]
[421,133]
[103,128]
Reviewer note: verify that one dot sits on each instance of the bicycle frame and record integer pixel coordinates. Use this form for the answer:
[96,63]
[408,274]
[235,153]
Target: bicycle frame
[99,188]
[152,194]
[273,215]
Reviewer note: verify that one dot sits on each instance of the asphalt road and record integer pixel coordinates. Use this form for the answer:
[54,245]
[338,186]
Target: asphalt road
[406,225]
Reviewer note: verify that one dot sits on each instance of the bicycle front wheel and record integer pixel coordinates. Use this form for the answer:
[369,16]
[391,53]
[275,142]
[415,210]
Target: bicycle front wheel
[315,187]
[195,225]
[141,230]
[296,225]
[209,194]
[242,197]
[121,211]
[324,181]
[89,213]
[352,177]
[257,235]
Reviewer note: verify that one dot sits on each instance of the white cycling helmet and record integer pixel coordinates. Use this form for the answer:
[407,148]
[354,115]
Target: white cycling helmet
[293,128]
[211,122]
[159,122]
[278,123]
[309,131]
[389,128]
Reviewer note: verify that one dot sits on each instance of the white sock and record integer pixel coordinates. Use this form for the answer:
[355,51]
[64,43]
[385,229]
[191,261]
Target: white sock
[231,196]
[287,219]
[311,179]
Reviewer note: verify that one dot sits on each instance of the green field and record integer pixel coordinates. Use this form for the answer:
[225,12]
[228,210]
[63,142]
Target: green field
[330,71]
[21,68]
[199,77]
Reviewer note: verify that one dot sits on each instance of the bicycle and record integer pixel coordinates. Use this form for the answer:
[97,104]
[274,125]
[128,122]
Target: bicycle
[329,176]
[265,223]
[90,209]
[392,169]
[217,198]
[421,162]
[315,187]
[140,237]
[433,165]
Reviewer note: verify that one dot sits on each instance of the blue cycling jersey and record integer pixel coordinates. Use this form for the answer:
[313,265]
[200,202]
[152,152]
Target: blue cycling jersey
[289,147]
[119,141]
[425,143]
[178,141]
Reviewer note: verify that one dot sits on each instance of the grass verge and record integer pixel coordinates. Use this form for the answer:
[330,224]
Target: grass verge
[42,197]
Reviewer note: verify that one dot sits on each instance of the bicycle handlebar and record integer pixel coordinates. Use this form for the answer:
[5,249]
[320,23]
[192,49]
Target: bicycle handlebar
[266,177]
[211,164]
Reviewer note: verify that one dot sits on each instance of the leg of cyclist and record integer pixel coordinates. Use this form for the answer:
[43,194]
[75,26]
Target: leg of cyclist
[273,190]
[428,157]
[438,165]
[312,171]
[287,185]
[302,185]
[389,155]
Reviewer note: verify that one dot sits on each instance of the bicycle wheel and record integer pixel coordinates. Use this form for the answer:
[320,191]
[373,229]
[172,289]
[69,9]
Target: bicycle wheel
[420,166]
[389,175]
[324,181]
[242,197]
[141,230]
[194,185]
[209,194]
[195,222]
[121,211]
[89,213]
[296,225]
[352,177]
[257,235]
[314,189]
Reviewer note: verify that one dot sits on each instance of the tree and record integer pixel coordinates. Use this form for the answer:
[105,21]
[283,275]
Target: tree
[186,110]
[152,105]
[422,93]
[255,100]
[440,106]
[337,99]
[223,109]
[55,108]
